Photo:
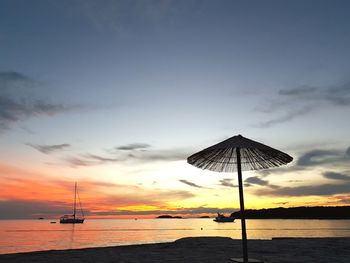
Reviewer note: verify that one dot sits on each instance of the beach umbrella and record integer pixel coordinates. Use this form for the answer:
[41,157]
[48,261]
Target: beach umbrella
[236,154]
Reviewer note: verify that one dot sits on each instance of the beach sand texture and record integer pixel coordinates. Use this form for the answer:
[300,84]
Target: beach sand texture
[201,249]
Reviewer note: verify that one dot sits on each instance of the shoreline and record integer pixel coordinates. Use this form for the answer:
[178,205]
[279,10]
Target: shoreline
[201,249]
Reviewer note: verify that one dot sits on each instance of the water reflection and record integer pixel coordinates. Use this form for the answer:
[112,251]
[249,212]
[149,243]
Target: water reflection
[32,235]
[71,236]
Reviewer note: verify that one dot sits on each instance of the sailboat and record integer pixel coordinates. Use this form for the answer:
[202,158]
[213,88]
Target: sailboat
[74,219]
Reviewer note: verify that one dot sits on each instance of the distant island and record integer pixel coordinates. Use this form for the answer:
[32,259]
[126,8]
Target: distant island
[318,212]
[168,216]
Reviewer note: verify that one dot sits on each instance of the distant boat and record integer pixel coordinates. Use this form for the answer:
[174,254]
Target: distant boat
[224,219]
[73,219]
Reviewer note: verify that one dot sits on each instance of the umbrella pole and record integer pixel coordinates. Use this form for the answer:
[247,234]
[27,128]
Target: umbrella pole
[241,201]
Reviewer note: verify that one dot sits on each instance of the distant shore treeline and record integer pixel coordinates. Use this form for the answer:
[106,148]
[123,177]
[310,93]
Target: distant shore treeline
[318,212]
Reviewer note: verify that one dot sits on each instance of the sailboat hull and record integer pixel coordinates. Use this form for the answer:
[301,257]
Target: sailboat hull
[72,220]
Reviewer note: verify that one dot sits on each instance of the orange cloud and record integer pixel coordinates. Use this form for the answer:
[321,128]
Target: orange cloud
[20,187]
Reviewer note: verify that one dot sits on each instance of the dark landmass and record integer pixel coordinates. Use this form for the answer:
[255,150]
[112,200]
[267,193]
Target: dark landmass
[204,217]
[318,212]
[168,216]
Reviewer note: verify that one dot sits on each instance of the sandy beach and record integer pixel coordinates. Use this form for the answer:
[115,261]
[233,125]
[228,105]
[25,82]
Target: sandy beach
[201,249]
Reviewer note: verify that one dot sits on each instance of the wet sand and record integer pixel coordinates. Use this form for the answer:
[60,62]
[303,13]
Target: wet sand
[201,249]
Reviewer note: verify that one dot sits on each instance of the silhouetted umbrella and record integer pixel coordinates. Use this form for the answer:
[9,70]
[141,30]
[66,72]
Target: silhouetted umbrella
[236,154]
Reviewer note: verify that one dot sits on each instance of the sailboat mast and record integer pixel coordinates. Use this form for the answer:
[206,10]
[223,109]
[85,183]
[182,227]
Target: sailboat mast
[75,198]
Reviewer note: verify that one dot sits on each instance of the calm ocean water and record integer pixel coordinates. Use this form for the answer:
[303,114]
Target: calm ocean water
[34,235]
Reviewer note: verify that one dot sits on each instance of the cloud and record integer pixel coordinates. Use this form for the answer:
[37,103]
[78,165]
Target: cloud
[190,183]
[338,95]
[227,182]
[314,158]
[17,101]
[76,162]
[162,155]
[133,146]
[46,204]
[316,190]
[47,149]
[89,160]
[336,176]
[299,91]
[306,99]
[348,151]
[32,209]
[142,152]
[126,17]
[317,157]
[101,159]
[29,194]
[132,152]
[256,180]
[292,114]
[343,199]
[10,79]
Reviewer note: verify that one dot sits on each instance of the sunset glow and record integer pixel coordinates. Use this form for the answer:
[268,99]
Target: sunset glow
[116,97]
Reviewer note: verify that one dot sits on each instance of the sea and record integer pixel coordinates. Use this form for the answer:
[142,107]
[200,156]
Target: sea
[37,235]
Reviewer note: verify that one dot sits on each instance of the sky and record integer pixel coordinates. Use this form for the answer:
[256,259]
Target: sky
[116,94]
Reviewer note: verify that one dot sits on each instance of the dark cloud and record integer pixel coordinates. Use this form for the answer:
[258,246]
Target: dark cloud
[317,157]
[89,160]
[305,99]
[11,79]
[133,146]
[47,149]
[141,152]
[336,176]
[313,158]
[100,158]
[76,162]
[125,156]
[318,190]
[336,95]
[116,16]
[16,104]
[256,180]
[290,115]
[162,155]
[32,209]
[156,155]
[227,182]
[348,152]
[299,91]
[190,183]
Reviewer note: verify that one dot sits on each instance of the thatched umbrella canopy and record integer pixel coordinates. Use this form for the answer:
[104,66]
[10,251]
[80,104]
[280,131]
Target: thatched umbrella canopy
[236,154]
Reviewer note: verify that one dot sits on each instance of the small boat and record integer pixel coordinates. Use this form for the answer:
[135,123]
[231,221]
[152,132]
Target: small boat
[74,219]
[223,219]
